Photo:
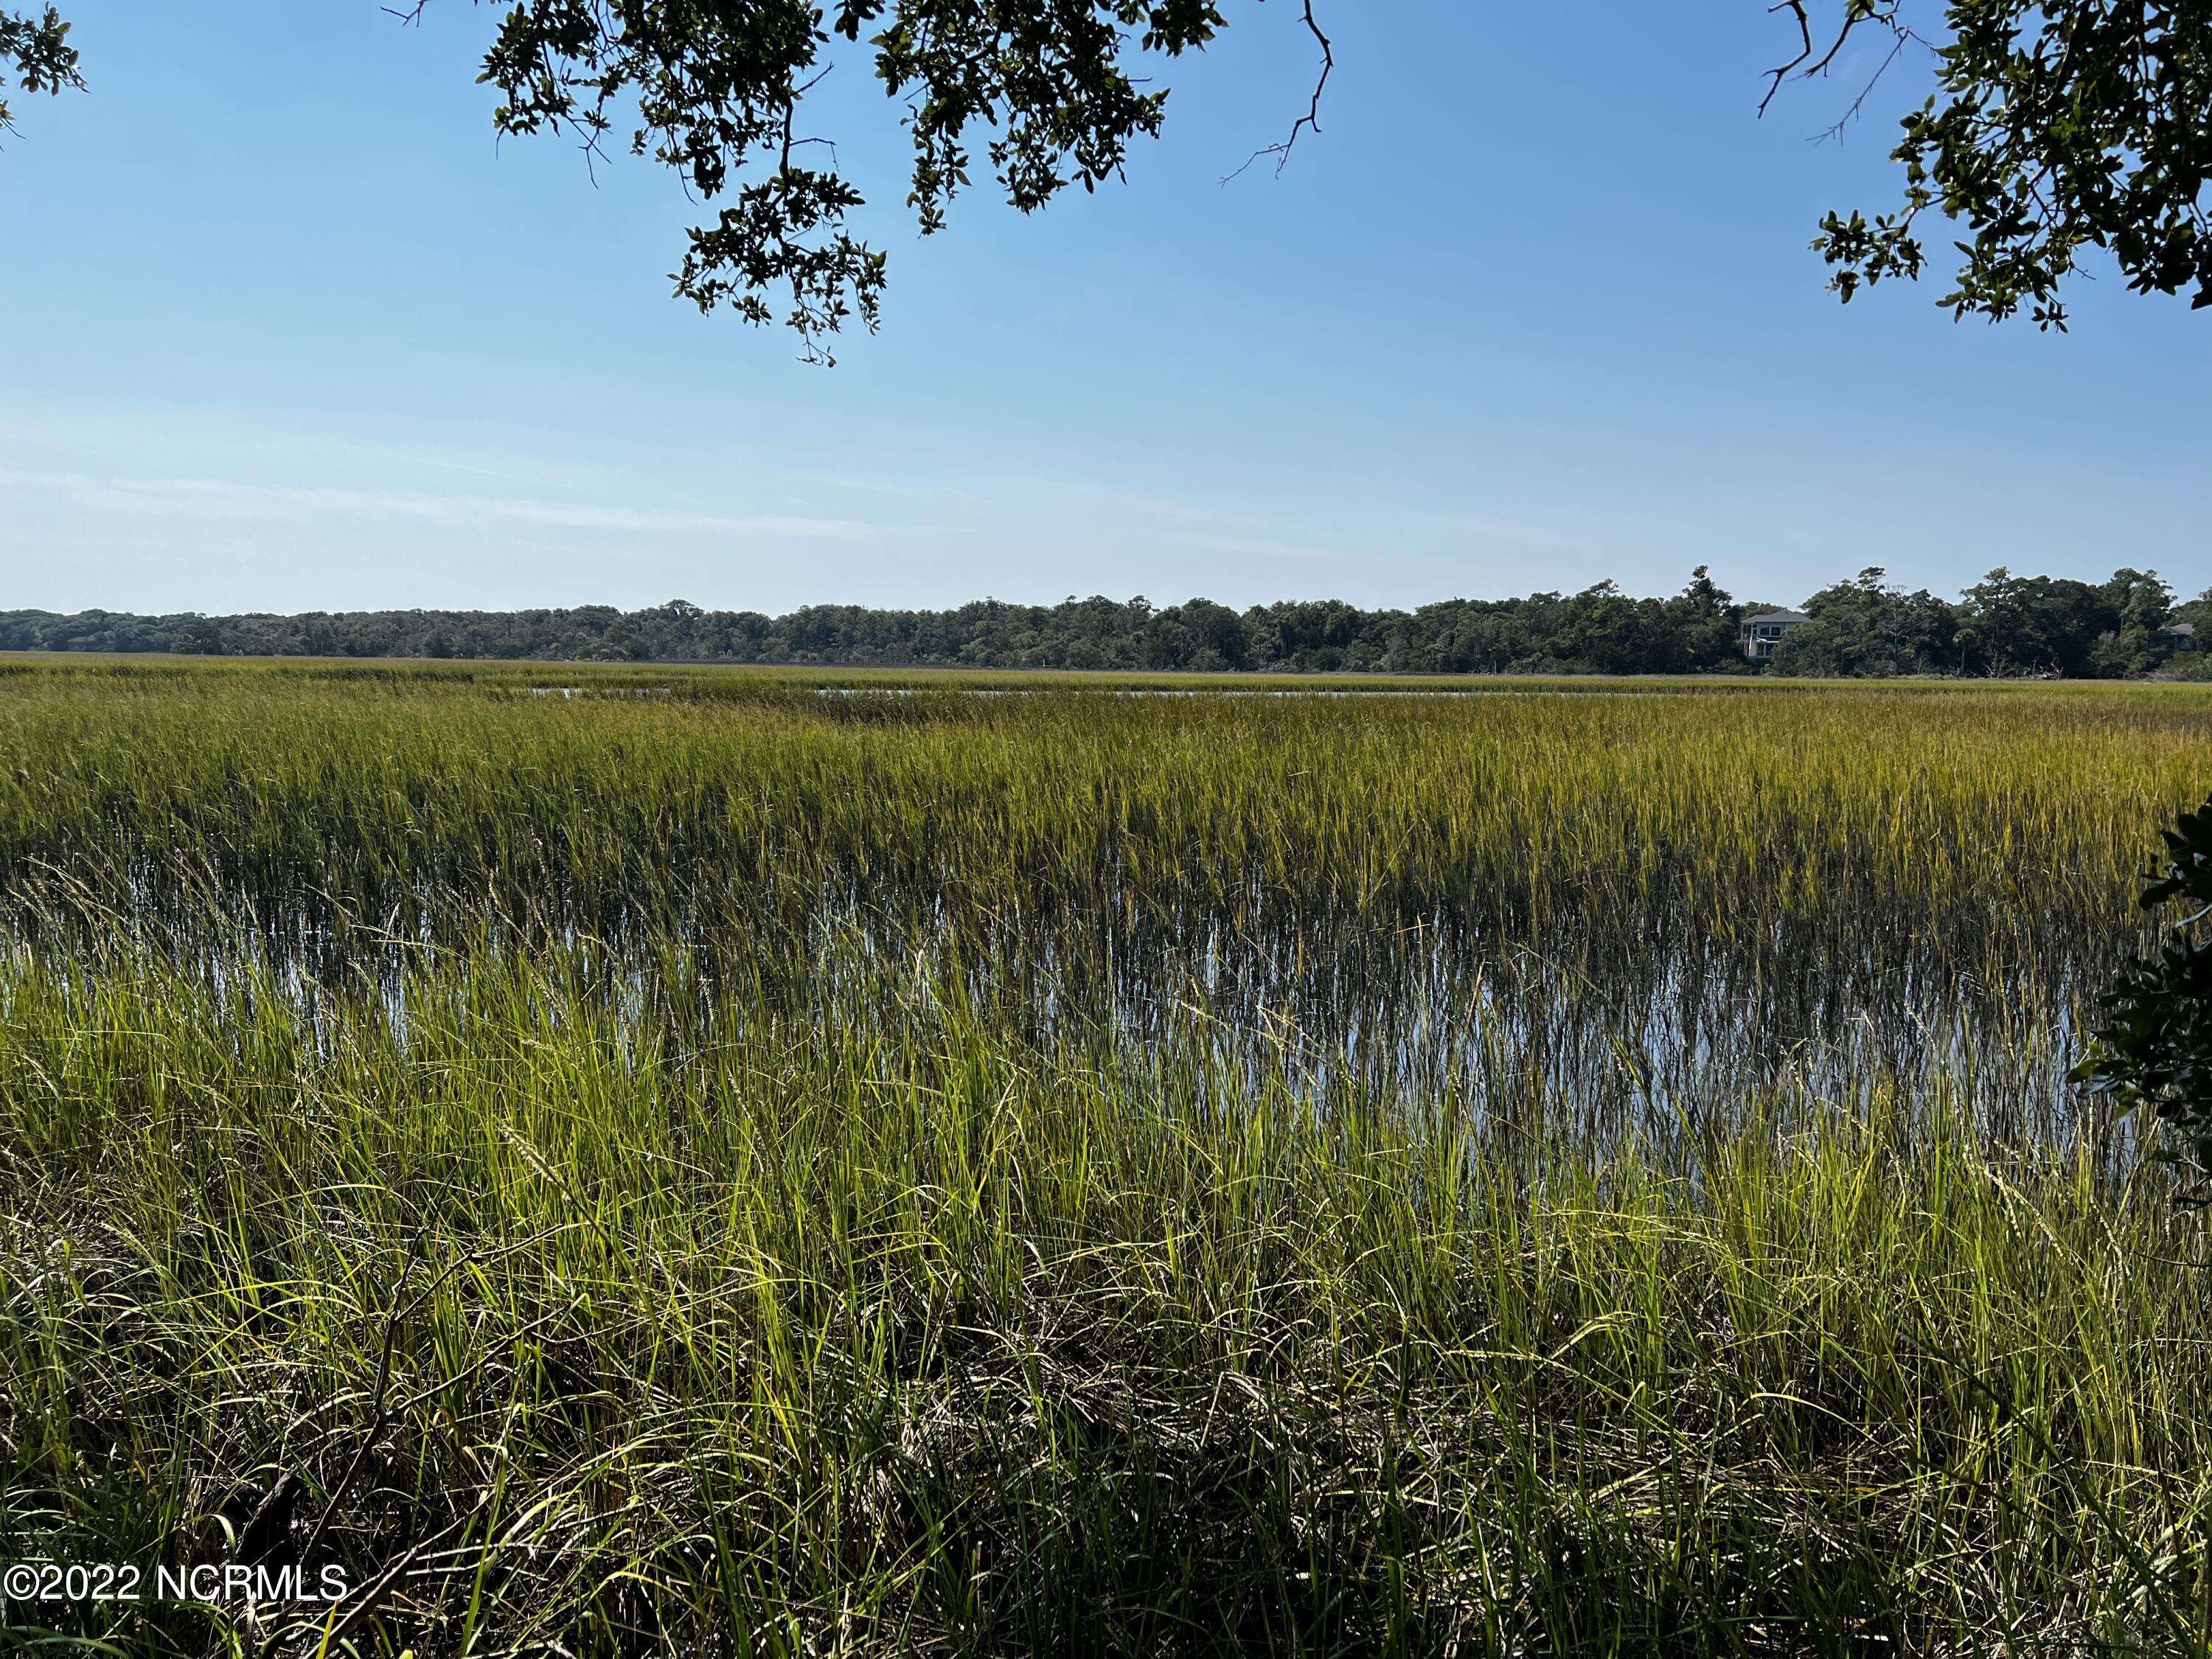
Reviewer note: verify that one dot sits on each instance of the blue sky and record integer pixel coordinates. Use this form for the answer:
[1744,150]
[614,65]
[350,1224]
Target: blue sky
[286,330]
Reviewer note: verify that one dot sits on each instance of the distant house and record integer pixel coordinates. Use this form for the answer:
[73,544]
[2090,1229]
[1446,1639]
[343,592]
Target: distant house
[2182,636]
[1762,633]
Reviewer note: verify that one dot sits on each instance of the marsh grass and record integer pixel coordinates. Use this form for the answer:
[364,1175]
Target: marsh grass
[748,1171]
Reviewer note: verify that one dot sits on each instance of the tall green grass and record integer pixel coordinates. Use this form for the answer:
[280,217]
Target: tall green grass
[753,1171]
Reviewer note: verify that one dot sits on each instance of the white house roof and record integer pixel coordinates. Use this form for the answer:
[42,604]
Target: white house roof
[1776,616]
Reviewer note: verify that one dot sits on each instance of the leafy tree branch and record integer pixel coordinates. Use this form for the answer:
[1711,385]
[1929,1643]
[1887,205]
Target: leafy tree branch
[34,49]
[2056,126]
[2053,128]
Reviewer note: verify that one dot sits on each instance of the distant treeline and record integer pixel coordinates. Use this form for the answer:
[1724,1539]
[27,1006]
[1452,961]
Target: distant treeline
[2004,625]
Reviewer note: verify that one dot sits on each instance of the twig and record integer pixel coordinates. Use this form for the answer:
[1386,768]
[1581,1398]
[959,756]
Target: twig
[1311,118]
[1812,60]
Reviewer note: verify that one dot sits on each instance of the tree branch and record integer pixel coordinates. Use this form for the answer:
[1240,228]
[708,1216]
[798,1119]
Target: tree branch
[1812,60]
[1311,118]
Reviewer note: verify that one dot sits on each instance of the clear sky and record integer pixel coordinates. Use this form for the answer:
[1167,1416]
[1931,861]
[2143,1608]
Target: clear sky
[282,328]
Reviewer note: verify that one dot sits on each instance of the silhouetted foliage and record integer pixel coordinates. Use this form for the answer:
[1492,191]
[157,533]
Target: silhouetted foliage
[35,50]
[2056,124]
[2154,1046]
[719,94]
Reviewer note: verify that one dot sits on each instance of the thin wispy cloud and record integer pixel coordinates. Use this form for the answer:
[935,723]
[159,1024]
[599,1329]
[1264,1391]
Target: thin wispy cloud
[1255,547]
[1514,531]
[206,498]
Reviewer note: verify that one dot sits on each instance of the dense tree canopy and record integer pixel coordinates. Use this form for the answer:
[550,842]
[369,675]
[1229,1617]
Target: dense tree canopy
[1865,627]
[2005,625]
[2054,126]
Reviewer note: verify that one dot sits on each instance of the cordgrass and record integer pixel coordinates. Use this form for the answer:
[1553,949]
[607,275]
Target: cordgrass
[753,1171]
